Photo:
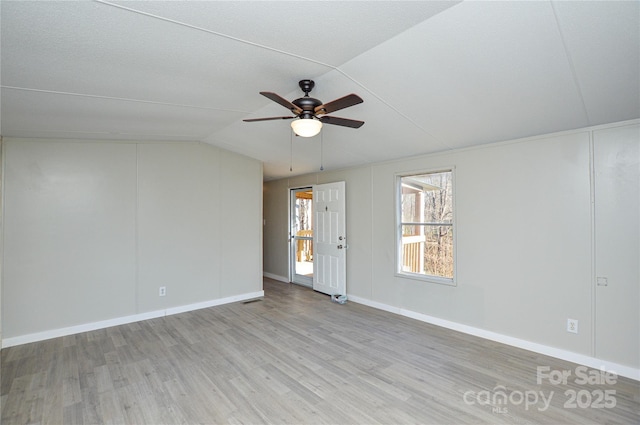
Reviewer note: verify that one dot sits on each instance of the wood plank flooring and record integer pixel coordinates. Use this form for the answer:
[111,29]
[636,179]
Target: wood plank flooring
[294,358]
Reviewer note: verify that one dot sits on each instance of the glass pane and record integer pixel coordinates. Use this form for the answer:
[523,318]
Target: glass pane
[438,251]
[430,253]
[427,198]
[438,205]
[304,212]
[303,233]
[427,224]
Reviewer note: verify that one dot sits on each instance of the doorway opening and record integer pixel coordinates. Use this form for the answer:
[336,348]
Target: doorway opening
[301,236]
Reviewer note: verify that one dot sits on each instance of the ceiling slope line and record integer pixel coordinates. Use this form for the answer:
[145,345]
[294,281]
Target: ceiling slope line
[216,33]
[123,99]
[262,46]
[574,74]
[396,110]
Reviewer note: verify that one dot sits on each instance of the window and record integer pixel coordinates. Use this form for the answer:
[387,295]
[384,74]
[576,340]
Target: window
[425,228]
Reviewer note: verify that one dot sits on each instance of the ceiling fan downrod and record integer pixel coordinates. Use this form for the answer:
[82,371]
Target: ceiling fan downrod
[306,86]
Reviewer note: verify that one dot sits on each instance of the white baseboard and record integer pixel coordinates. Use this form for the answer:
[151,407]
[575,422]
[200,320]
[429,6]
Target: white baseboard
[621,370]
[276,277]
[55,333]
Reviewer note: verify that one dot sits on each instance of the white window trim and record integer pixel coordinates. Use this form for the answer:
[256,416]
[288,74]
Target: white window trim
[398,226]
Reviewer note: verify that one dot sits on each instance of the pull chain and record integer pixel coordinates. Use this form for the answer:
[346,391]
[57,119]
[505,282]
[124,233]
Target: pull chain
[321,151]
[291,151]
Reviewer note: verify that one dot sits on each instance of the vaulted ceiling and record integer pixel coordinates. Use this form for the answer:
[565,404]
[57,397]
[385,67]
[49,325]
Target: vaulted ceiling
[434,75]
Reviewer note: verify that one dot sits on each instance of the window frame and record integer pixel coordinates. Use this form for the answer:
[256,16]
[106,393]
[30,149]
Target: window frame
[399,272]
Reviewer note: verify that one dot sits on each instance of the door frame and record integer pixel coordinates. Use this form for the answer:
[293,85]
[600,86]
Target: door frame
[293,276]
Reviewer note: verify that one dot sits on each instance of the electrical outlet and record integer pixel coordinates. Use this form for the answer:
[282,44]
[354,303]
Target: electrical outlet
[162,291]
[572,326]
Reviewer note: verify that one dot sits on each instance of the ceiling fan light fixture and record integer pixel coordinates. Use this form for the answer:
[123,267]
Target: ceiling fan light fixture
[306,127]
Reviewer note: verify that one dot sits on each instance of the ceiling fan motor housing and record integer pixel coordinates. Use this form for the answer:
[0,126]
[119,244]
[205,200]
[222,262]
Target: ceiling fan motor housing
[308,106]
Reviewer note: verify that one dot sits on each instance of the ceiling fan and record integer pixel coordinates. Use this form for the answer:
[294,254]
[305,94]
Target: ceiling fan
[310,112]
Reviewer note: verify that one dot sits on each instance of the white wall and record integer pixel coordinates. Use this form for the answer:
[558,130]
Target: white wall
[93,229]
[525,240]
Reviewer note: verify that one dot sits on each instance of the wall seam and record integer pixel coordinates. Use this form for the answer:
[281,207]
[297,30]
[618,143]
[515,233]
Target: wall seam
[136,224]
[592,290]
[2,191]
[371,245]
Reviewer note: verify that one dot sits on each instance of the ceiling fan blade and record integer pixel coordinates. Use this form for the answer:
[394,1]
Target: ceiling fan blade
[282,101]
[345,122]
[336,105]
[267,119]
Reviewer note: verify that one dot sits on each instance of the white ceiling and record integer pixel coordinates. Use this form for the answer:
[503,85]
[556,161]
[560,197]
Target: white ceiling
[433,75]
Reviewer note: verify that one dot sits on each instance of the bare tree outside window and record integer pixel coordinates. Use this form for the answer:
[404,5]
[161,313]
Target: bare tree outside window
[304,214]
[426,203]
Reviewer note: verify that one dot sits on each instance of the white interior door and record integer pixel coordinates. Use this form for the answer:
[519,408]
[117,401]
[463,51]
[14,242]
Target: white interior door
[330,239]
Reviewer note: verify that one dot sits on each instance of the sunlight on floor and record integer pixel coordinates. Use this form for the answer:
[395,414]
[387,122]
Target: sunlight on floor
[304,268]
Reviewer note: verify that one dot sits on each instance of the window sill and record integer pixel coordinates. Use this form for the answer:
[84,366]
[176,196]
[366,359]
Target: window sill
[428,278]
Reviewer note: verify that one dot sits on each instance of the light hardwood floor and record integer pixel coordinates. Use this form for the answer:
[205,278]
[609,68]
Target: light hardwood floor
[295,358]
